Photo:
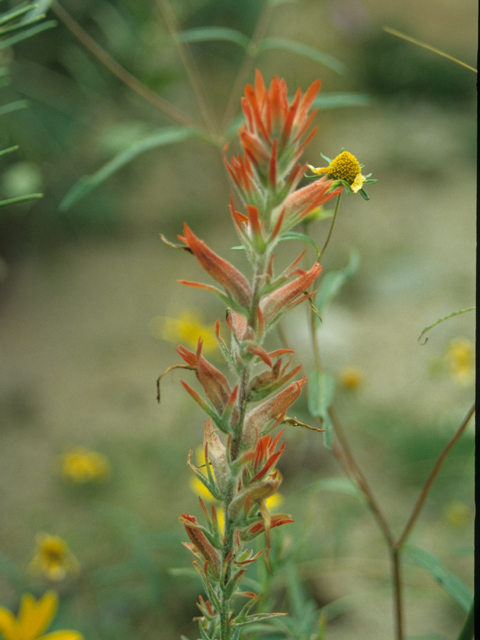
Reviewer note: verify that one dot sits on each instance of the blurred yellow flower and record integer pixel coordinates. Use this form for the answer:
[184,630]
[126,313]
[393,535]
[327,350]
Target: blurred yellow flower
[273,502]
[458,514]
[33,619]
[197,486]
[351,377]
[80,465]
[186,328]
[52,557]
[461,360]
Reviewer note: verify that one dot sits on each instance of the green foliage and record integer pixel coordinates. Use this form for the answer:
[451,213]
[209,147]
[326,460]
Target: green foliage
[452,585]
[391,68]
[154,140]
[333,281]
[321,390]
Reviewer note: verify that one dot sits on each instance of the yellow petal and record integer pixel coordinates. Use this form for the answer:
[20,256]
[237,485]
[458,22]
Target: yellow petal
[317,171]
[201,490]
[66,634]
[35,617]
[358,183]
[8,625]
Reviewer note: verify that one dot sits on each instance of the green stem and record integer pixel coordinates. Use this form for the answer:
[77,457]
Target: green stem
[331,227]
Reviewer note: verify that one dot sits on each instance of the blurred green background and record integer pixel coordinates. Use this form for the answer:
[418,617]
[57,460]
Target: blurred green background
[79,289]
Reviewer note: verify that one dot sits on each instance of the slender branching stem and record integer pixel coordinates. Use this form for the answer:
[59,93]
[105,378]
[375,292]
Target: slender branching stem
[122,74]
[360,478]
[433,474]
[189,64]
[397,593]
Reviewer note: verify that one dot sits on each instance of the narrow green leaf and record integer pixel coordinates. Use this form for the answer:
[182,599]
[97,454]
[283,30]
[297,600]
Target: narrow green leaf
[8,42]
[451,315]
[208,34]
[303,50]
[30,196]
[293,235]
[21,25]
[341,99]
[340,485]
[468,629]
[452,585]
[4,152]
[321,389]
[334,281]
[161,138]
[8,16]
[13,106]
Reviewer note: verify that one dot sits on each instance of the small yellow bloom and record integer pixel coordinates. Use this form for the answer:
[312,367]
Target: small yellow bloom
[197,486]
[273,502]
[458,514]
[81,466]
[52,557]
[351,377]
[461,360]
[33,619]
[186,328]
[344,167]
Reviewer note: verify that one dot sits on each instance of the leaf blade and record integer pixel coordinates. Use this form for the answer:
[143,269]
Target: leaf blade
[209,34]
[334,280]
[303,50]
[161,138]
[452,585]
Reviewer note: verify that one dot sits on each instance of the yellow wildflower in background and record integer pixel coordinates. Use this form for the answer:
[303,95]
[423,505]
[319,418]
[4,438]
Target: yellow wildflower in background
[186,329]
[461,360]
[33,619]
[344,167]
[458,514]
[197,486]
[351,377]
[52,557]
[80,465]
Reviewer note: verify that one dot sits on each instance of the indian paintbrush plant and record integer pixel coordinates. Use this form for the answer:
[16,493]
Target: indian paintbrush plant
[240,473]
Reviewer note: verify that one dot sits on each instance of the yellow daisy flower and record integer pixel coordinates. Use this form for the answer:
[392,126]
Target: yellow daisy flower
[344,167]
[461,360]
[79,465]
[186,328]
[351,377]
[52,557]
[33,619]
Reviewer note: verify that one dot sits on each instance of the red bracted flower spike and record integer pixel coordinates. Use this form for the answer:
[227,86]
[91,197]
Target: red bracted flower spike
[234,282]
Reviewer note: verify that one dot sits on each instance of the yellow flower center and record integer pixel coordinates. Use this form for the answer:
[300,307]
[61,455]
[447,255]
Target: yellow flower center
[344,167]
